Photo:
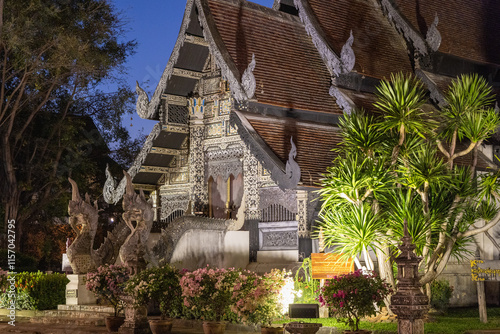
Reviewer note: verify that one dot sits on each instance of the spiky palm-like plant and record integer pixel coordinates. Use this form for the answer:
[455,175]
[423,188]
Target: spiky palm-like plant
[400,165]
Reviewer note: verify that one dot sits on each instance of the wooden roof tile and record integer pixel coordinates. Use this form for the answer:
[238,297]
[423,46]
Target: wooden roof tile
[469,29]
[378,47]
[314,143]
[289,71]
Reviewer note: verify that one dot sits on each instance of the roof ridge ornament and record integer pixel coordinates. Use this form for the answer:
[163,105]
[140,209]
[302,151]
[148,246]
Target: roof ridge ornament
[113,193]
[291,176]
[433,37]
[347,56]
[110,190]
[142,105]
[248,79]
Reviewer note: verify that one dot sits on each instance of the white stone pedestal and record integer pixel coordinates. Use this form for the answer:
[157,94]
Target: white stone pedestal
[76,293]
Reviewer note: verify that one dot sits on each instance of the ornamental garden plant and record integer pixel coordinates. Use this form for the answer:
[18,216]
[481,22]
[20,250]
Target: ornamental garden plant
[207,293]
[108,283]
[353,296]
[35,290]
[158,284]
[256,299]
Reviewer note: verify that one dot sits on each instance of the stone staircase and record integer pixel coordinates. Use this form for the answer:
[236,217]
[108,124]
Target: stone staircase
[80,315]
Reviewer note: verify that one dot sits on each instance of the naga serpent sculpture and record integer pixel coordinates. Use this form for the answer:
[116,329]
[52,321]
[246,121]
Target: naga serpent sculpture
[134,253]
[83,220]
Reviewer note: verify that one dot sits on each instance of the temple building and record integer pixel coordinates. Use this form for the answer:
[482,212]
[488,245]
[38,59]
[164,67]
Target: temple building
[249,102]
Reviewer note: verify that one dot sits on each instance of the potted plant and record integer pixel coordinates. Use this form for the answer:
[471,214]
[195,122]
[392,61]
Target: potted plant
[161,285]
[354,296]
[207,294]
[107,282]
[256,299]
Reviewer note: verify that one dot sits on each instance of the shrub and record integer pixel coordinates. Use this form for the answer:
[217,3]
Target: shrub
[256,299]
[307,288]
[37,291]
[160,284]
[108,283]
[207,293]
[440,294]
[354,296]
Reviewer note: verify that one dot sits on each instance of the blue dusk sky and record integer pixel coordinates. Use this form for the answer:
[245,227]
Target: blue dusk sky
[154,24]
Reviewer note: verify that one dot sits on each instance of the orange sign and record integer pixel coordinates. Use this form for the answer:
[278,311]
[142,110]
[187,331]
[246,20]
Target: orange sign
[328,265]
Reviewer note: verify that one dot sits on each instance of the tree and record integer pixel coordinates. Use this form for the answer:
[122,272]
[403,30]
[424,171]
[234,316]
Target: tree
[53,56]
[400,163]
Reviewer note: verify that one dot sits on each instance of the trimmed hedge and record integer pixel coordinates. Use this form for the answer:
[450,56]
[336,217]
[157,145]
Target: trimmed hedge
[38,291]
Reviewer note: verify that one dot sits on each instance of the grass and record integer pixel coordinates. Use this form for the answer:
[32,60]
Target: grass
[455,321]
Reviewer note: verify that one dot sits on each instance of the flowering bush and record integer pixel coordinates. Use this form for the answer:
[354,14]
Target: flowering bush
[160,284]
[207,292]
[255,298]
[108,283]
[353,296]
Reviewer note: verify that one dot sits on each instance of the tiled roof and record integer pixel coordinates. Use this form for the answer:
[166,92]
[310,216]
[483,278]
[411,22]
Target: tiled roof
[378,47]
[289,71]
[469,29]
[314,143]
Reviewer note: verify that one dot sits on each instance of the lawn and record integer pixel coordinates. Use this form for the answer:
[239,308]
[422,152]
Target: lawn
[456,321]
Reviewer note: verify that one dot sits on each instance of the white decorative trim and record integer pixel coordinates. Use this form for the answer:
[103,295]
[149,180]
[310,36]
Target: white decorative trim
[345,103]
[404,27]
[142,104]
[167,72]
[435,94]
[286,176]
[113,194]
[248,79]
[228,74]
[347,56]
[433,37]
[335,65]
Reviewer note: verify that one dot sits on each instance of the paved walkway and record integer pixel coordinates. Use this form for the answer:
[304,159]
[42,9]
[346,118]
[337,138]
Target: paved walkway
[23,326]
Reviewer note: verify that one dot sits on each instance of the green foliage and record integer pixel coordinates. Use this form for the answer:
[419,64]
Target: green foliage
[55,54]
[207,293]
[400,101]
[307,288]
[159,284]
[108,282]
[256,298]
[37,291]
[441,292]
[400,164]
[353,296]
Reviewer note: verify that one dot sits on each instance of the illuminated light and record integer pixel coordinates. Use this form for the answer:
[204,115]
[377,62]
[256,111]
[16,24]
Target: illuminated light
[287,295]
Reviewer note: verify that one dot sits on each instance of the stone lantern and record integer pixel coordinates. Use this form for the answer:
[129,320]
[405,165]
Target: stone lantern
[409,303]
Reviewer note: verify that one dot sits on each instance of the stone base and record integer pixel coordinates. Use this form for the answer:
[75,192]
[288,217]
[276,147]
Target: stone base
[136,320]
[76,293]
[406,326]
[323,312]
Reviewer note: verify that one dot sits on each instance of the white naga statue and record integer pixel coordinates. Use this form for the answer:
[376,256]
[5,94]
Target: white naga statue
[83,220]
[138,215]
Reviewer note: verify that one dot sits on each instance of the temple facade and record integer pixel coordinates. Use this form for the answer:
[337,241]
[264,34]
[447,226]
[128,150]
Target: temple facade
[249,102]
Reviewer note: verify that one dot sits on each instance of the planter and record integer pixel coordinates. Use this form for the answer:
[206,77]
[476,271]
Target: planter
[160,326]
[214,327]
[114,323]
[271,330]
[302,327]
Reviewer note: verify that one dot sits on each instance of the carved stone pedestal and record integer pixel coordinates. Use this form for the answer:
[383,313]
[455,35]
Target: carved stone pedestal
[76,293]
[407,326]
[136,319]
[409,303]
